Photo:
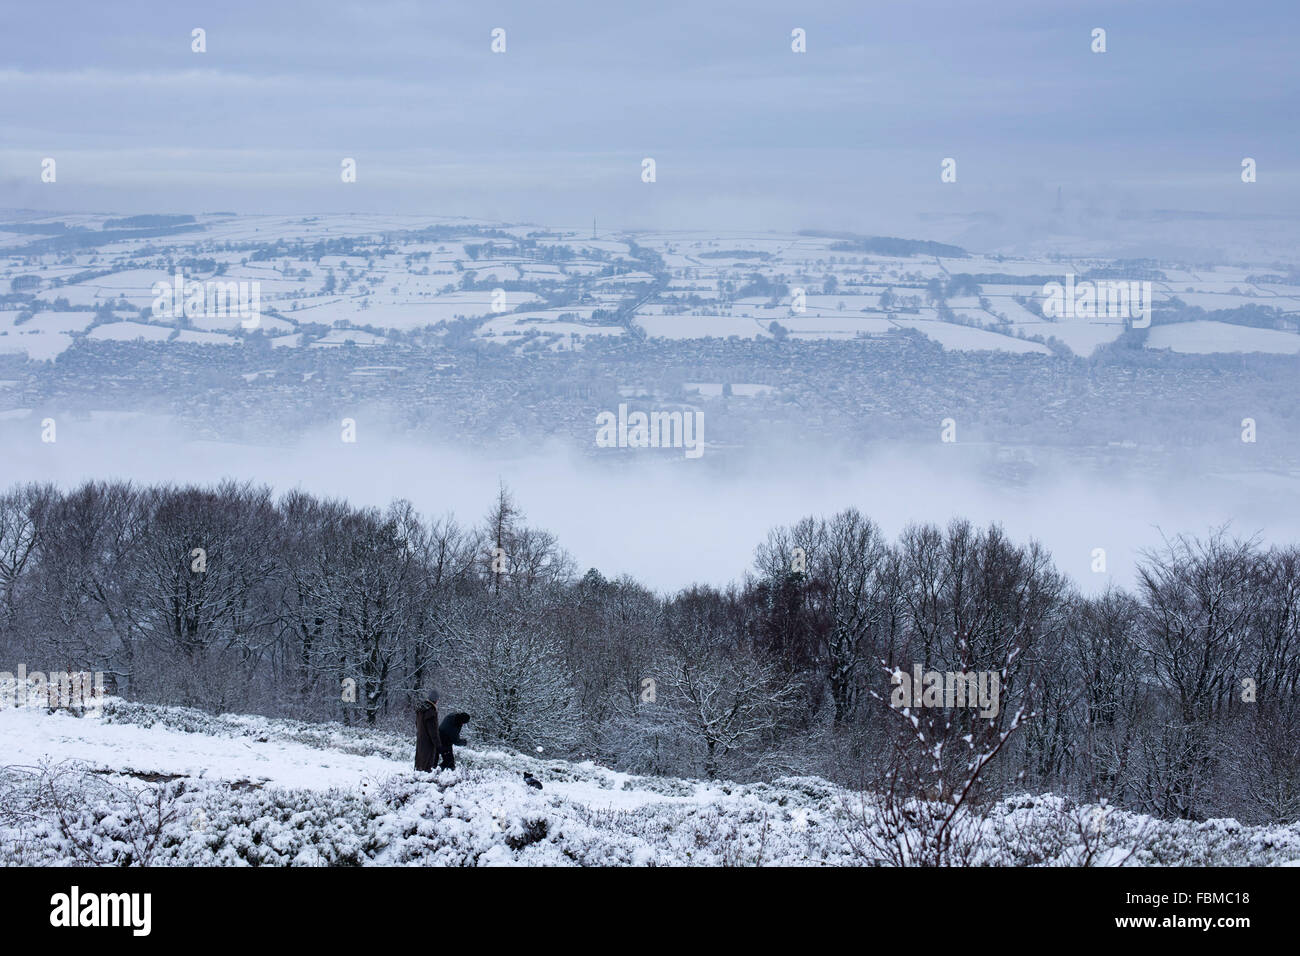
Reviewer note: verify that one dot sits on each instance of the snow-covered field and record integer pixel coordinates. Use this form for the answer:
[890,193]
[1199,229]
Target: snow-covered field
[1206,337]
[172,786]
[413,282]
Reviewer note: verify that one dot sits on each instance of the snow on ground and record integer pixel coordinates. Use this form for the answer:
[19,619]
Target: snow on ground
[699,326]
[343,336]
[965,338]
[128,331]
[246,790]
[31,736]
[44,335]
[1204,336]
[1081,338]
[206,338]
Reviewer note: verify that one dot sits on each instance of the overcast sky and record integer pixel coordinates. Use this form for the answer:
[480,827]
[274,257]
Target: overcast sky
[744,131]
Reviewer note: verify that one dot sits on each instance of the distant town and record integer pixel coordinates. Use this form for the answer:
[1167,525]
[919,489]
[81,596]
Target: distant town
[249,328]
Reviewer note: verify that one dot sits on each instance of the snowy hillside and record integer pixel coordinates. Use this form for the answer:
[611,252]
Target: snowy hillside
[172,786]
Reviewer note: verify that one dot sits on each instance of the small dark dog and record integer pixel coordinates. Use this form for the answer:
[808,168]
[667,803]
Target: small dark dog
[448,734]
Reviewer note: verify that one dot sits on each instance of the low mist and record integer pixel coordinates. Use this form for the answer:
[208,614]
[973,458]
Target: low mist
[673,522]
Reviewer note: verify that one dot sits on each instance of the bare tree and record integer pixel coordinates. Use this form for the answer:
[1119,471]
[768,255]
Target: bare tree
[1199,601]
[731,698]
[848,593]
[514,679]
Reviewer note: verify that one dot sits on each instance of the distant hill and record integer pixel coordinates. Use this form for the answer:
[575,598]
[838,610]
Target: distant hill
[147,222]
[888,245]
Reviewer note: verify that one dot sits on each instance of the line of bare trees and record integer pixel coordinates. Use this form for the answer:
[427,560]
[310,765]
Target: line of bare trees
[1179,699]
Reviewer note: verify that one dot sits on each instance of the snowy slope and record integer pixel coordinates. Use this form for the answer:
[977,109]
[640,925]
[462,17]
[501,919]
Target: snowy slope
[172,786]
